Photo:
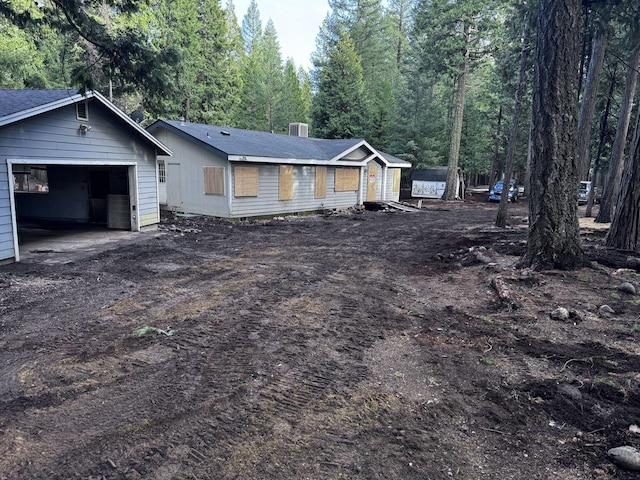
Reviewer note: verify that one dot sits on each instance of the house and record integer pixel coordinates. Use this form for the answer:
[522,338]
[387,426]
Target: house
[72,157]
[431,182]
[235,173]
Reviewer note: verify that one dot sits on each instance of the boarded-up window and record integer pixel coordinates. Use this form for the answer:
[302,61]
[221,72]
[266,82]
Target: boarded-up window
[245,181]
[214,180]
[285,182]
[396,180]
[321,182]
[347,179]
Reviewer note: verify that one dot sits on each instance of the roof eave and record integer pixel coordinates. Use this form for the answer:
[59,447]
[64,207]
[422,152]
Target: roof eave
[161,149]
[40,109]
[72,99]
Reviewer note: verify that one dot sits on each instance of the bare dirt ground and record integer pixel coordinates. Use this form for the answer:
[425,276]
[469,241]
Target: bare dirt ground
[362,345]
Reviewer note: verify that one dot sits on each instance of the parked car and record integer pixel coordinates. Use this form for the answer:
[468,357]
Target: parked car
[496,192]
[585,190]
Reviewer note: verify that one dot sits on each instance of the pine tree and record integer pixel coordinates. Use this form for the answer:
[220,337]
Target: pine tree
[339,107]
[553,239]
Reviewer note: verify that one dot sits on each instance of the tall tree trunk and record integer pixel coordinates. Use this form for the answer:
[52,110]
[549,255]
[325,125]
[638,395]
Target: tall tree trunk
[527,176]
[625,227]
[456,133]
[596,163]
[588,104]
[616,163]
[501,219]
[495,163]
[554,232]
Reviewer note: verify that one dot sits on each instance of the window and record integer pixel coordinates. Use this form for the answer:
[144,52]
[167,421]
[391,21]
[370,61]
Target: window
[321,182]
[162,172]
[245,181]
[28,179]
[347,179]
[82,110]
[285,183]
[214,180]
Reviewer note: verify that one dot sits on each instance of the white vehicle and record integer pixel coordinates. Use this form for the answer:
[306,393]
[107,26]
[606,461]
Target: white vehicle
[583,193]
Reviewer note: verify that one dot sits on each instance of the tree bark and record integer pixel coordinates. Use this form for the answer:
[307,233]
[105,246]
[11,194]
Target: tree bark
[554,232]
[596,163]
[501,219]
[625,227]
[456,133]
[588,104]
[616,163]
[494,173]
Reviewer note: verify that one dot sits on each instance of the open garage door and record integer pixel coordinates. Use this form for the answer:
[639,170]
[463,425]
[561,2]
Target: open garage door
[61,196]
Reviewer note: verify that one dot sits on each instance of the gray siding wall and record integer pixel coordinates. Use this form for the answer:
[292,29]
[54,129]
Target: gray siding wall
[267,202]
[6,227]
[185,187]
[55,136]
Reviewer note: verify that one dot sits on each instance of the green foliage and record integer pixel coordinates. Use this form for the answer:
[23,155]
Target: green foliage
[21,64]
[118,51]
[340,108]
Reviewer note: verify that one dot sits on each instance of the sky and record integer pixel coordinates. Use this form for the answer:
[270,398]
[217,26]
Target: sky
[297,24]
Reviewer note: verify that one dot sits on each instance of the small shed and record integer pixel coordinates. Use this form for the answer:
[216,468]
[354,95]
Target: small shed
[430,182]
[235,173]
[68,157]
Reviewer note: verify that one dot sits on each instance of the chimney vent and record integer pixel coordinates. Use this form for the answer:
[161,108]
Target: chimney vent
[299,129]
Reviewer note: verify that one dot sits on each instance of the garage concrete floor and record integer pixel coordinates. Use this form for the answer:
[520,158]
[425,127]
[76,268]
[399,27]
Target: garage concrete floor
[66,243]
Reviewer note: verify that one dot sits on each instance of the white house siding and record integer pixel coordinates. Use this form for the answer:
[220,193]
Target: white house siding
[6,227]
[391,195]
[267,202]
[54,137]
[185,177]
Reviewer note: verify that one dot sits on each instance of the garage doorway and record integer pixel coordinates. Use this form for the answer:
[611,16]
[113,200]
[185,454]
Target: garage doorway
[51,200]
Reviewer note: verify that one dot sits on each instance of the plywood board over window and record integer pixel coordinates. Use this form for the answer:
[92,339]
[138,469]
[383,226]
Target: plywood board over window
[245,181]
[214,180]
[321,182]
[347,179]
[285,182]
[396,180]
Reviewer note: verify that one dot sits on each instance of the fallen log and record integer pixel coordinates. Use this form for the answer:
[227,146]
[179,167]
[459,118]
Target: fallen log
[507,295]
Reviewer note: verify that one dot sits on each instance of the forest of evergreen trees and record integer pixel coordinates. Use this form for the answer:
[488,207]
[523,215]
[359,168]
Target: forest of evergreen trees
[422,79]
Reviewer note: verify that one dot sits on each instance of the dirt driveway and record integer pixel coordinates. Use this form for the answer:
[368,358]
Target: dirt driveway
[368,345]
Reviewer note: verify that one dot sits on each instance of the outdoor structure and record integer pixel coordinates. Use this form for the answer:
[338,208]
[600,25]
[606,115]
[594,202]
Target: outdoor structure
[235,173]
[431,182]
[73,158]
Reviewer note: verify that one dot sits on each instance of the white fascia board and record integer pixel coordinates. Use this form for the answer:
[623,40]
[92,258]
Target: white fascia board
[349,150]
[296,161]
[163,148]
[79,163]
[72,99]
[40,109]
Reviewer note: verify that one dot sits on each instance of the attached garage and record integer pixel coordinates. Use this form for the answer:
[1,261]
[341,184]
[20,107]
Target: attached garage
[73,158]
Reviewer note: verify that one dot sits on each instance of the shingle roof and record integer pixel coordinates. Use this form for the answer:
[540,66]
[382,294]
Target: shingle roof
[13,101]
[236,141]
[17,105]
